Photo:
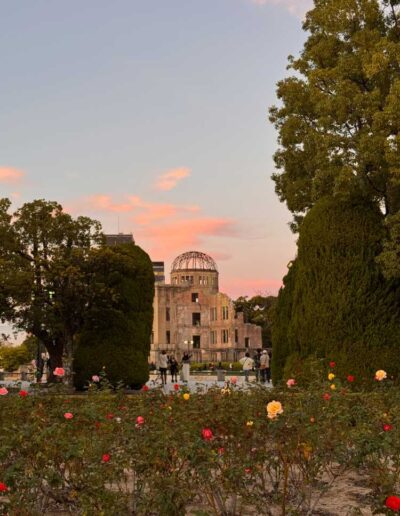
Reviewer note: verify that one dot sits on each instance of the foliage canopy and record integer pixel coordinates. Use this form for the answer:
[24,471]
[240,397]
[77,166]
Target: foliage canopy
[338,121]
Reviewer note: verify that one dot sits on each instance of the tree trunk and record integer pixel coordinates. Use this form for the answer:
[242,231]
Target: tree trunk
[55,351]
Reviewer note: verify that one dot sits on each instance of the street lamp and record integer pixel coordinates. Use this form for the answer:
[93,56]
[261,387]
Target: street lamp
[188,343]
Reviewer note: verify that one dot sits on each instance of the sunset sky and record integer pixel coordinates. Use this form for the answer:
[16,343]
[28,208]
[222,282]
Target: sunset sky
[152,116]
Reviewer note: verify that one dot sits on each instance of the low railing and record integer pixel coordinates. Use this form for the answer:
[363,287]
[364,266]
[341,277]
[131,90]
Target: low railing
[17,376]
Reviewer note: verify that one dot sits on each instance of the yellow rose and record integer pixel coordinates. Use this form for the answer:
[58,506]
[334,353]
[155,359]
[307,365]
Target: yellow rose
[380,375]
[307,449]
[249,423]
[331,376]
[186,396]
[274,408]
[333,386]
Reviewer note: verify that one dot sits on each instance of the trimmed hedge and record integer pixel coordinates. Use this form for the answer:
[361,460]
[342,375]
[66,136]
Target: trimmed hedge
[117,334]
[335,302]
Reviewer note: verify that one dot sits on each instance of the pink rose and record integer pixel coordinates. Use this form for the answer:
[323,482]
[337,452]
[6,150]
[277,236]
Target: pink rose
[291,382]
[68,415]
[234,380]
[140,420]
[207,434]
[95,378]
[59,371]
[3,391]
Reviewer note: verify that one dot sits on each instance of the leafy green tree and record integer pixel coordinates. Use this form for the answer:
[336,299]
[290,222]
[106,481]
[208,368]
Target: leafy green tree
[258,310]
[335,303]
[44,289]
[12,357]
[338,120]
[117,330]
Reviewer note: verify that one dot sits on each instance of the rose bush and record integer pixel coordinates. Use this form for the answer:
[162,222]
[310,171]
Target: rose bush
[160,454]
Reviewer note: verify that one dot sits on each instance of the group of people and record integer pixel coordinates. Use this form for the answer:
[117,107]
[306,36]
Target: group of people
[260,363]
[169,362]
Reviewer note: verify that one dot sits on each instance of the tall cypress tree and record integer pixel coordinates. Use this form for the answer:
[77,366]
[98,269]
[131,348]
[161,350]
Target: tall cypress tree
[341,307]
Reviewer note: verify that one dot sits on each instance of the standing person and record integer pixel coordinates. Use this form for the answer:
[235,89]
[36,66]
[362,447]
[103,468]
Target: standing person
[247,364]
[264,366]
[269,366]
[256,359]
[163,366]
[173,367]
[186,367]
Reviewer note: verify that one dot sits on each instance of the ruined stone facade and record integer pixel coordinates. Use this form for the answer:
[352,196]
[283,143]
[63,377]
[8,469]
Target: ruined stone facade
[191,315]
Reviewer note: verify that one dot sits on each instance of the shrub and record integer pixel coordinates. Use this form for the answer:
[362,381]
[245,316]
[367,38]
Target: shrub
[218,451]
[117,334]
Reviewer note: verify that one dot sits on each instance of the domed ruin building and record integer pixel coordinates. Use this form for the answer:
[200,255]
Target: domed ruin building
[190,314]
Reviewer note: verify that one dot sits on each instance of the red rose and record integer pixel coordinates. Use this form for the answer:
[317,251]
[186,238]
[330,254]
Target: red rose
[3,488]
[350,378]
[139,420]
[332,364]
[207,434]
[247,470]
[145,388]
[97,424]
[23,393]
[393,502]
[106,457]
[110,416]
[176,387]
[326,396]
[387,427]
[221,451]
[59,371]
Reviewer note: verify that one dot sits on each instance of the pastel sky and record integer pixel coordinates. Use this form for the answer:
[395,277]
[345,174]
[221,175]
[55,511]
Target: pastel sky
[151,116]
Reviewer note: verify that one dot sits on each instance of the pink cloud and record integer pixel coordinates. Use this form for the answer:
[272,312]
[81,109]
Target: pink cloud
[296,7]
[10,175]
[169,239]
[143,212]
[236,287]
[105,203]
[171,178]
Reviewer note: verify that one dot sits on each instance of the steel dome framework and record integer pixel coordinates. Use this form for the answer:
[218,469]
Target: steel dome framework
[194,261]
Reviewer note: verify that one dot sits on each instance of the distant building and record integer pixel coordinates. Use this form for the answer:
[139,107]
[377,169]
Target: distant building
[159,272]
[190,314]
[119,238]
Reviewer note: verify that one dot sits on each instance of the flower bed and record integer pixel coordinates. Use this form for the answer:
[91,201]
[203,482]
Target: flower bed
[227,451]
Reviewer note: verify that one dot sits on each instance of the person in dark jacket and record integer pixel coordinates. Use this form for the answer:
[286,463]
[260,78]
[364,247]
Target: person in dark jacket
[174,368]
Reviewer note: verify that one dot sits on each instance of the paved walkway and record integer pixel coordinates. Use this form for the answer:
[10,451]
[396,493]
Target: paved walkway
[201,383]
